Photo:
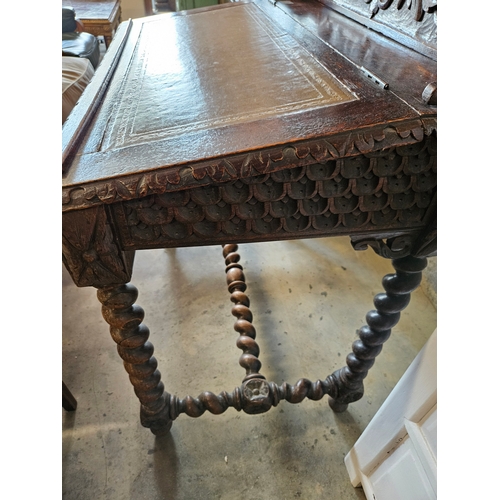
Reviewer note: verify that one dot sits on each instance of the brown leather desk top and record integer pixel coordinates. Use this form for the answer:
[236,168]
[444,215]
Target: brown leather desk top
[224,91]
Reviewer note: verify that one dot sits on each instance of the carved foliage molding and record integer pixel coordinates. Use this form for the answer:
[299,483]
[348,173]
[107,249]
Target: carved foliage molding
[421,244]
[418,7]
[412,23]
[244,166]
[392,189]
[391,248]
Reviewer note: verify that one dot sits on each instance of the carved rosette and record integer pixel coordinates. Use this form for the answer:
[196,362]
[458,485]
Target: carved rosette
[255,395]
[344,386]
[90,251]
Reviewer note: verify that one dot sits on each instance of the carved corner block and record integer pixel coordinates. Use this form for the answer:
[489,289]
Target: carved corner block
[426,243]
[256,396]
[90,251]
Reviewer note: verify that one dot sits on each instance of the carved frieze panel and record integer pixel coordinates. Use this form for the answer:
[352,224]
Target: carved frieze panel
[372,192]
[418,8]
[411,22]
[248,165]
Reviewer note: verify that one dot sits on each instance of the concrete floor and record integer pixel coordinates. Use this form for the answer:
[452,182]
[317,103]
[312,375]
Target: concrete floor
[308,298]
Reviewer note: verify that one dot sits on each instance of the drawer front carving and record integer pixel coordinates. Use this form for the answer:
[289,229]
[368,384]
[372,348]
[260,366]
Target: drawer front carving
[384,190]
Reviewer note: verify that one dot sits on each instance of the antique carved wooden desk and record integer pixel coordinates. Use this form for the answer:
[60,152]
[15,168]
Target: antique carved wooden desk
[253,122]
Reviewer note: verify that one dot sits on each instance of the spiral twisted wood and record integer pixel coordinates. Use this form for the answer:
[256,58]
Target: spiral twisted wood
[254,396]
[125,320]
[303,389]
[246,341]
[380,322]
[206,401]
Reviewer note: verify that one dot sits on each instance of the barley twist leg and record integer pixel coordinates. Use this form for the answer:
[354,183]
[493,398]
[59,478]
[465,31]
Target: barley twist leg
[125,320]
[388,305]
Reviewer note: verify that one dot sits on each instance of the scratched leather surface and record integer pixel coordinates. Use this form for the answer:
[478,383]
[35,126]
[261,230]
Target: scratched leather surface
[212,69]
[227,83]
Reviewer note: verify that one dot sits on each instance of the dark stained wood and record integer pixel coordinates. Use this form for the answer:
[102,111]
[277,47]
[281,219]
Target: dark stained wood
[185,139]
[407,71]
[388,307]
[391,190]
[90,252]
[131,335]
[160,148]
[412,23]
[241,309]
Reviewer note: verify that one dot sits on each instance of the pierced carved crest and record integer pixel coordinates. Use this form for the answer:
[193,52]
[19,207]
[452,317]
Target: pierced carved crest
[418,7]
